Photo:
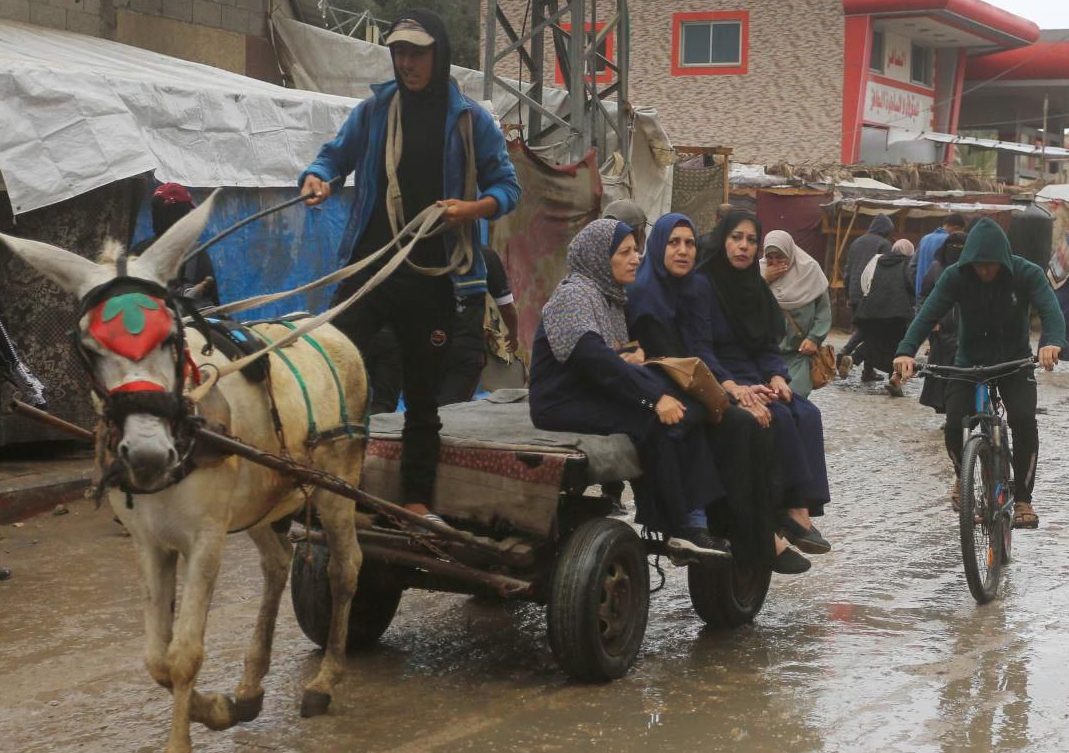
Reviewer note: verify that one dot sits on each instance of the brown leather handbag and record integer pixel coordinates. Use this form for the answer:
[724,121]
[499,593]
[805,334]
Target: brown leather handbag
[821,363]
[694,378]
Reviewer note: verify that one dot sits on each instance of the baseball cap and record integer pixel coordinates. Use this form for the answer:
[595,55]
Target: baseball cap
[172,193]
[408,30]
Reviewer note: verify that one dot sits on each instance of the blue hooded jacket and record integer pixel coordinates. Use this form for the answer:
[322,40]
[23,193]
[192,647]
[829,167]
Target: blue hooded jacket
[359,148]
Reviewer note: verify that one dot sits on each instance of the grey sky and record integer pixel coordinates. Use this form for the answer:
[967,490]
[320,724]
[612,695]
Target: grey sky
[1048,14]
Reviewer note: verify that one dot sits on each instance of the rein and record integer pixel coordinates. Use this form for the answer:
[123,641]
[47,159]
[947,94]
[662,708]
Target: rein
[422,226]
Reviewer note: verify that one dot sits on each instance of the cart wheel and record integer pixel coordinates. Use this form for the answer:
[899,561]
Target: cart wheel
[374,603]
[599,601]
[727,595]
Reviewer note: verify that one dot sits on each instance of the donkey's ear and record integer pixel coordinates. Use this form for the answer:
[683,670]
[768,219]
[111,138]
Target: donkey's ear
[71,272]
[161,261]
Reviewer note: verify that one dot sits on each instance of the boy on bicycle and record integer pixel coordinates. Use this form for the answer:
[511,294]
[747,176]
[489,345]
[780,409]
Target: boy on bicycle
[994,291]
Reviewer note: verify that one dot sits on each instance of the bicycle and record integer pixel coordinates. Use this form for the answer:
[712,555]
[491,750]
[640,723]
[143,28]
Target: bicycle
[986,516]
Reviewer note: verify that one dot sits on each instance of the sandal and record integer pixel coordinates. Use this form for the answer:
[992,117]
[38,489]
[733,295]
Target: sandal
[955,495]
[1024,515]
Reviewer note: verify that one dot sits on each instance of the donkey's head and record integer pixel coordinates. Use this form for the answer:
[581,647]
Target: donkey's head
[131,339]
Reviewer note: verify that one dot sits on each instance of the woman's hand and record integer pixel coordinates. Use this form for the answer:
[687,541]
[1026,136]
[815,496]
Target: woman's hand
[773,272]
[781,389]
[315,189]
[808,347]
[669,410]
[636,356]
[762,414]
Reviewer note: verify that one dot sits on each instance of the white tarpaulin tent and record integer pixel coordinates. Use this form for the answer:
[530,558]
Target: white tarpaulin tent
[324,61]
[81,112]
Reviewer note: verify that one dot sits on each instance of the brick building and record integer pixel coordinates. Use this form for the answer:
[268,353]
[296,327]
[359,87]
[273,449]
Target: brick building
[804,80]
[227,34]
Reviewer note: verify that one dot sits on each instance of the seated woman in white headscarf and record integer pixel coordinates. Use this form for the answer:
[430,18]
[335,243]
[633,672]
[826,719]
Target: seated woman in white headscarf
[801,290]
[585,379]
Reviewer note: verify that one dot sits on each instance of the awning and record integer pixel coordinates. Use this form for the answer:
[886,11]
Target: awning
[81,112]
[1050,153]
[919,208]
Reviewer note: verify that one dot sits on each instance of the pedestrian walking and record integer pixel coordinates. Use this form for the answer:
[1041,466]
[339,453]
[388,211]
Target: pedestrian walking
[873,243]
[944,337]
[886,310]
[954,223]
[801,290]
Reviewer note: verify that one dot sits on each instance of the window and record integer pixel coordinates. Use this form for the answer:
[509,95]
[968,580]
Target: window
[710,43]
[876,56]
[605,52]
[921,65]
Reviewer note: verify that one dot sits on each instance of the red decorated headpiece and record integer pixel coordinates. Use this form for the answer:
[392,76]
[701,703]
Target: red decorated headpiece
[130,324]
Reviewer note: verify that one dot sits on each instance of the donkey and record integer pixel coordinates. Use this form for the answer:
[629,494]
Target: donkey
[139,355]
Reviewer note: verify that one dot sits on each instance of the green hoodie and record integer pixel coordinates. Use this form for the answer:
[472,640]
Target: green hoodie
[994,324]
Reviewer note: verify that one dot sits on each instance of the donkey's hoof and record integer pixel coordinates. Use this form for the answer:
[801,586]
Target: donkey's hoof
[247,709]
[314,703]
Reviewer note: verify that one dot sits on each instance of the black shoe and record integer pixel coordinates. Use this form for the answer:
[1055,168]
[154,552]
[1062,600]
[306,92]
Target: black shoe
[869,375]
[617,509]
[698,542]
[809,540]
[789,562]
[4,573]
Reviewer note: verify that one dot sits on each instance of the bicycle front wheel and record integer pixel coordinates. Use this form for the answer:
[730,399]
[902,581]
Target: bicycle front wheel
[980,524]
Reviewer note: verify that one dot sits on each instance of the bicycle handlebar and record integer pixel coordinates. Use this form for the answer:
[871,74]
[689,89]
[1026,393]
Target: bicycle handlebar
[977,373]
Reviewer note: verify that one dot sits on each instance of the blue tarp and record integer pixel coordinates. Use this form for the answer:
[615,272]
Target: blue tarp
[278,252]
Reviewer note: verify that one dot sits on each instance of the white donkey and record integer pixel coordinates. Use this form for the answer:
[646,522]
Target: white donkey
[129,337]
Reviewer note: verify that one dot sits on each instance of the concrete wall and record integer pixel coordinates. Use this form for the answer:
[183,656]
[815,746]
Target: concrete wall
[787,106]
[228,34]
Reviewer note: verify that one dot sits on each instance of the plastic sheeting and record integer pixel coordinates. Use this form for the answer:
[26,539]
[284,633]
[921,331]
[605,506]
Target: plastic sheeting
[278,252]
[81,112]
[533,239]
[323,61]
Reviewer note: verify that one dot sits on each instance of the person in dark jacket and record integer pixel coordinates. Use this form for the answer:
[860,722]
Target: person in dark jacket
[661,315]
[861,251]
[408,148]
[886,310]
[738,331]
[170,203]
[585,378]
[994,291]
[944,339]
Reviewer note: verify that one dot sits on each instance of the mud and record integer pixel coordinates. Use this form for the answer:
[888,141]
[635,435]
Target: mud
[879,647]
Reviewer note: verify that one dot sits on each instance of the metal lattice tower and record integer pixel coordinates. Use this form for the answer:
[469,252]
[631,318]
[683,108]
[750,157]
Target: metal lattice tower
[359,25]
[587,121]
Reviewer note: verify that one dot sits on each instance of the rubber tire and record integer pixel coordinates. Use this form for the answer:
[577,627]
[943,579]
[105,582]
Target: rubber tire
[978,450]
[373,608]
[727,595]
[599,553]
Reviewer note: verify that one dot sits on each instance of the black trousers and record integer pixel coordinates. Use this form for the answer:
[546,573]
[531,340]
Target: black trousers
[420,312]
[855,336]
[467,354]
[1018,393]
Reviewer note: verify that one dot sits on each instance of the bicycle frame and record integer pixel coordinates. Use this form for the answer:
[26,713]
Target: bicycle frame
[989,418]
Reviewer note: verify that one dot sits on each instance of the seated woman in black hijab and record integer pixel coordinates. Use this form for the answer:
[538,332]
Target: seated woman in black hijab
[661,315]
[580,381]
[742,326]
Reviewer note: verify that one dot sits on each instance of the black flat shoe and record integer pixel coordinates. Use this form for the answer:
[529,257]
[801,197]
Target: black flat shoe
[809,540]
[789,562]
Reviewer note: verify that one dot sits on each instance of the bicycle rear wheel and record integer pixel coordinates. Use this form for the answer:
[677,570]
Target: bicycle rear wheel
[980,524]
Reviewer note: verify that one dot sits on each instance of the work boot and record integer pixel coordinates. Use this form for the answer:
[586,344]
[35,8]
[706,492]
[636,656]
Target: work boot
[894,387]
[846,362]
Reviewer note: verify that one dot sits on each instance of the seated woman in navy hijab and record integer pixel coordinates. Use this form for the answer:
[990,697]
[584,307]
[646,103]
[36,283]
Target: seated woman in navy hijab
[580,381]
[743,326]
[662,314]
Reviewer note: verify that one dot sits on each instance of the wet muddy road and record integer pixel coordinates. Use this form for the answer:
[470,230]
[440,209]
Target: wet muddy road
[879,647]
